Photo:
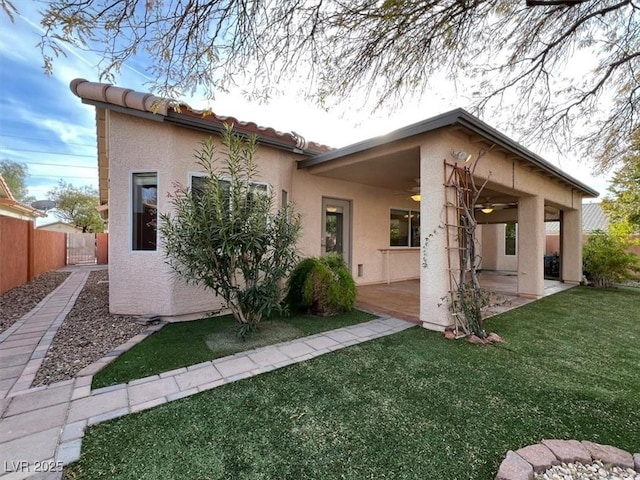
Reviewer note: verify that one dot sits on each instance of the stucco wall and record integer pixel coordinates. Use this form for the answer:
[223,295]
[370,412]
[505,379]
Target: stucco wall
[370,225]
[140,281]
[493,250]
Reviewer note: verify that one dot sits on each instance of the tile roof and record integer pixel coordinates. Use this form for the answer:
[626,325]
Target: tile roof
[110,95]
[8,200]
[593,218]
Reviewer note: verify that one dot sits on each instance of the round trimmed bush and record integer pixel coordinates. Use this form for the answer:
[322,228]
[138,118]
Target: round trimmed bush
[323,286]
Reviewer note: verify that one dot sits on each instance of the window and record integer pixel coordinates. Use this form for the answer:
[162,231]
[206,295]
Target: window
[510,236]
[198,181]
[145,211]
[285,198]
[404,228]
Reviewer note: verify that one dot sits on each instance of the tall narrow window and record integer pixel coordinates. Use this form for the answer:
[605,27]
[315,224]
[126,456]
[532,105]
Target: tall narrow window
[145,211]
[510,236]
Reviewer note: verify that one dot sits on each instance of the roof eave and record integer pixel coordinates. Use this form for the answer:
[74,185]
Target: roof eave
[454,117]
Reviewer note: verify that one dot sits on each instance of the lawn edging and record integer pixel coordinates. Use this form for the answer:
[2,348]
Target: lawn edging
[538,458]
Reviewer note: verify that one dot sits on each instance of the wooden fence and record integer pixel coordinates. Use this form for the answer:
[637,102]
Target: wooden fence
[26,252]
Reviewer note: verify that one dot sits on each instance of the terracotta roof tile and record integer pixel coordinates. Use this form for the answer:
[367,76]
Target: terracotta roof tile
[127,98]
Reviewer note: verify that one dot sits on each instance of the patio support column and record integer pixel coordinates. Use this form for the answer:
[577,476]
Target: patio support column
[434,282]
[571,245]
[531,244]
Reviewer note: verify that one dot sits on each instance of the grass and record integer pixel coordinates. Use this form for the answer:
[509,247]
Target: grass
[407,406]
[183,344]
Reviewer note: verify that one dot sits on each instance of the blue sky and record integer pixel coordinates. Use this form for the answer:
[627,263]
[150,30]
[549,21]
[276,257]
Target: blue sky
[45,126]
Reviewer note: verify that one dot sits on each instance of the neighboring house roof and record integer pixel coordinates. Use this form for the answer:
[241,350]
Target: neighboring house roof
[60,226]
[9,206]
[593,218]
[455,118]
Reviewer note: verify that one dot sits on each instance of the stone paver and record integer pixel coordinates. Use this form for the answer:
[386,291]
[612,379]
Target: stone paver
[195,378]
[27,423]
[97,404]
[568,451]
[539,456]
[295,350]
[152,390]
[608,454]
[228,368]
[514,467]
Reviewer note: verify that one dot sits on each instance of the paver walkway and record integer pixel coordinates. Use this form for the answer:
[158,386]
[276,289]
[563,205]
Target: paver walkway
[41,430]
[24,345]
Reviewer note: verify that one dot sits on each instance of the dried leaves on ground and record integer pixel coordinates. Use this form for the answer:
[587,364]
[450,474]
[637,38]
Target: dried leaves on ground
[20,300]
[87,334]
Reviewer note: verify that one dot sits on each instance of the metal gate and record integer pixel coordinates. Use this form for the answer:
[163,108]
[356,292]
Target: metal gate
[81,248]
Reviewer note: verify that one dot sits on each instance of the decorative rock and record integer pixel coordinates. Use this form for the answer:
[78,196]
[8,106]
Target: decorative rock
[609,455]
[514,467]
[494,338]
[568,451]
[636,460]
[539,456]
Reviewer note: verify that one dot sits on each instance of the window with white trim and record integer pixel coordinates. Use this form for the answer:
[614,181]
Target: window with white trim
[144,213]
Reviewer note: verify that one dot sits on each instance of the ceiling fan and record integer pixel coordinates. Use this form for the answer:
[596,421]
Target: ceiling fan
[413,192]
[489,206]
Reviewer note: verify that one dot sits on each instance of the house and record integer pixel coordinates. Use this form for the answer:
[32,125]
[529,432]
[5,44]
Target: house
[60,227]
[10,207]
[383,203]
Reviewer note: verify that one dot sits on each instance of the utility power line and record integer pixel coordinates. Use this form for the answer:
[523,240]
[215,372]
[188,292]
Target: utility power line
[60,165]
[50,153]
[47,139]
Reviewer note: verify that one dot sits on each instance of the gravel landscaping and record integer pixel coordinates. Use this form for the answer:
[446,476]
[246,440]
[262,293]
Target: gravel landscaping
[20,300]
[87,334]
[593,471]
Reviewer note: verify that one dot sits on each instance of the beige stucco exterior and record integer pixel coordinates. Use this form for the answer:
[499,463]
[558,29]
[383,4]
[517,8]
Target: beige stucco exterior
[373,177]
[169,152]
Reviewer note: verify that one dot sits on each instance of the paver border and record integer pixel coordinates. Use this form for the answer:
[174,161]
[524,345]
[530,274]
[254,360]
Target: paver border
[525,462]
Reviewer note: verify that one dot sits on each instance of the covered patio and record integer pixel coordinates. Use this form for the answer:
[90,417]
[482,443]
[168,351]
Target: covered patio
[402,299]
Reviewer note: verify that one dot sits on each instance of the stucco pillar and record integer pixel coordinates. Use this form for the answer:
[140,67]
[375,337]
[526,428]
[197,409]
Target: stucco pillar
[571,239]
[434,282]
[531,244]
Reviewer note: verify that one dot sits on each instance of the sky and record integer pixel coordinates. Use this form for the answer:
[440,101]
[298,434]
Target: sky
[45,126]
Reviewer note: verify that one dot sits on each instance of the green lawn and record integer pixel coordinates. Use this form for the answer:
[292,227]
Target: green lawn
[407,406]
[187,343]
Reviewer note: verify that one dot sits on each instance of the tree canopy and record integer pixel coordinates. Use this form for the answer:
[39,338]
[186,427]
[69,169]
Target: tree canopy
[565,72]
[16,174]
[77,206]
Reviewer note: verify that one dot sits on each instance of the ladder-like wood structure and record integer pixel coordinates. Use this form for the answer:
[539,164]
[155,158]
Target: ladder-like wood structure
[457,190]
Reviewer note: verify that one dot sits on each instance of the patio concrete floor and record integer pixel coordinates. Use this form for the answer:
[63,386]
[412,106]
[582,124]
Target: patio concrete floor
[402,299]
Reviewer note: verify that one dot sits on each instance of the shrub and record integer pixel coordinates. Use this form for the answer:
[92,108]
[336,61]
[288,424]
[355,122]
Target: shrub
[606,261]
[322,285]
[225,236]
